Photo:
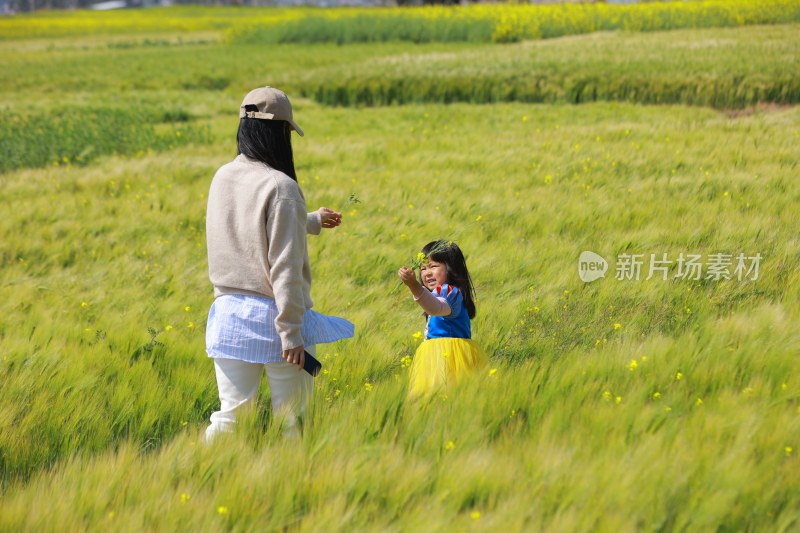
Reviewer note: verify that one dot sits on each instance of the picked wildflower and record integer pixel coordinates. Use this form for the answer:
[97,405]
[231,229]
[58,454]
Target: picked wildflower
[353,199]
[418,261]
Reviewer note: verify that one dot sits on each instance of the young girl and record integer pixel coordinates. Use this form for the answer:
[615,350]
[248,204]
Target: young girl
[444,291]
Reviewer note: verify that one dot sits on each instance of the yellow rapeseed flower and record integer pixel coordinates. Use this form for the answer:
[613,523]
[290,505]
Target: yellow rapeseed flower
[475,515]
[679,376]
[449,445]
[617,326]
[417,336]
[185,497]
[788,451]
[368,386]
[222,510]
[492,371]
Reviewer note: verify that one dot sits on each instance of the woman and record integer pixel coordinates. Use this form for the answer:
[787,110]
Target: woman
[256,227]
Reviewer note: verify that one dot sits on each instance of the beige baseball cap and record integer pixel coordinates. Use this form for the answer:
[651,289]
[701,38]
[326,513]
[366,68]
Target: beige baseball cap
[272,104]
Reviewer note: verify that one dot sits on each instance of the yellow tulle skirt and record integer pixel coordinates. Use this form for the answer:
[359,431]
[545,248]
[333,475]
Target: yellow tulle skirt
[439,362]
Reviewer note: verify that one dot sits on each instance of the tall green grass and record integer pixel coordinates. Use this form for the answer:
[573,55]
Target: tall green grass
[615,405]
[93,257]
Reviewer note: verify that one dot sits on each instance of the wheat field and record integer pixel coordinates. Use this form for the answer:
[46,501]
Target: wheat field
[614,405]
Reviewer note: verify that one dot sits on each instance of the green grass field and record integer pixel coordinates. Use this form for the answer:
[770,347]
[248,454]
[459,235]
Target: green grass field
[616,405]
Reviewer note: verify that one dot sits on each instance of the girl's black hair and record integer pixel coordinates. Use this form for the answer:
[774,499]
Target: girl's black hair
[449,254]
[268,141]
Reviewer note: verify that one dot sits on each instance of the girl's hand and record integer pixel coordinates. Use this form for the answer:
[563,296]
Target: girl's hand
[407,275]
[329,217]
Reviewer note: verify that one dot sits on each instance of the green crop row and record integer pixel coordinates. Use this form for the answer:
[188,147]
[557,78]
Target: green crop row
[78,136]
[731,68]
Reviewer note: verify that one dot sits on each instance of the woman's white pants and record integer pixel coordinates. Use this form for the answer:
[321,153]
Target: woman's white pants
[238,382]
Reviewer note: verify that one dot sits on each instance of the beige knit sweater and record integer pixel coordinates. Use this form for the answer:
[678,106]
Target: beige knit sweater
[256,227]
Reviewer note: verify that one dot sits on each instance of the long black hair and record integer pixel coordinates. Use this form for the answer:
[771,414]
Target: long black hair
[449,254]
[268,141]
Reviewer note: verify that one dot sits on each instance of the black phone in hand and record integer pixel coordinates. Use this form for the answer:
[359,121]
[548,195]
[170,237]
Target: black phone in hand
[311,365]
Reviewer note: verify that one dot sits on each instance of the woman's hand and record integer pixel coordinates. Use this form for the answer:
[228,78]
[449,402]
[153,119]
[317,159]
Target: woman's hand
[329,217]
[295,356]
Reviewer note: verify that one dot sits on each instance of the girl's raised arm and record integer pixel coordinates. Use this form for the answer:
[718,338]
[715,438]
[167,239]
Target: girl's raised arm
[428,302]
